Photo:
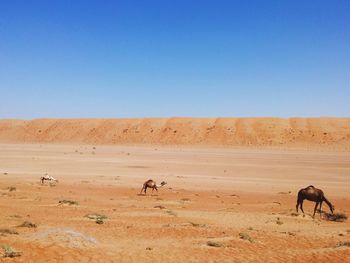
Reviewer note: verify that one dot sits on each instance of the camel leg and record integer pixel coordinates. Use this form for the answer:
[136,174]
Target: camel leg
[301,207]
[144,187]
[315,209]
[321,209]
[297,206]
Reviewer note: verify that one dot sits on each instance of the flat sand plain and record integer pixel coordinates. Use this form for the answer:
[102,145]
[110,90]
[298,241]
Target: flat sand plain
[240,200]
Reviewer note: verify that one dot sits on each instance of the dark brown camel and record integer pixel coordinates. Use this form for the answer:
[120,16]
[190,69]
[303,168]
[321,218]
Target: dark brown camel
[315,195]
[151,184]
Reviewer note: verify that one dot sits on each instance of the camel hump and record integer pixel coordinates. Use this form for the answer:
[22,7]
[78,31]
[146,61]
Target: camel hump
[149,182]
[310,186]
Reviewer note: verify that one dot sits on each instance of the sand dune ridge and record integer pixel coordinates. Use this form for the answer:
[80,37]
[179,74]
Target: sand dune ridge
[182,131]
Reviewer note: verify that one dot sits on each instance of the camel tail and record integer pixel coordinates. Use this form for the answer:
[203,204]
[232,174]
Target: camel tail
[299,196]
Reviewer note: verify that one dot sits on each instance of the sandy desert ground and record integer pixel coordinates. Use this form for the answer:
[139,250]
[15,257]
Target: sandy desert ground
[322,133]
[240,200]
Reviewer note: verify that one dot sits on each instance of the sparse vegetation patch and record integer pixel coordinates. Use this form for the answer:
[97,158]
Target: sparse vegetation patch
[159,206]
[336,217]
[15,216]
[99,219]
[12,188]
[9,252]
[284,193]
[215,244]
[171,213]
[245,236]
[197,225]
[8,231]
[343,244]
[278,221]
[68,202]
[28,224]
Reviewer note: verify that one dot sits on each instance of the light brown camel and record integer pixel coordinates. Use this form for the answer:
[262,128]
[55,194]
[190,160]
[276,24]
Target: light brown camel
[315,195]
[46,177]
[151,184]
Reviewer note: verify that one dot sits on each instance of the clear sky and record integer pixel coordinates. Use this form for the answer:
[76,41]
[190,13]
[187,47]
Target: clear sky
[165,58]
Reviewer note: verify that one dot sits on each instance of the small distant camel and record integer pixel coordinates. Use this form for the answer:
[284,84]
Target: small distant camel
[46,177]
[151,184]
[315,195]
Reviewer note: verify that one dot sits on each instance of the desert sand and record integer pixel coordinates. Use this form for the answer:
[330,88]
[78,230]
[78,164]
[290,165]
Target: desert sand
[331,133]
[221,204]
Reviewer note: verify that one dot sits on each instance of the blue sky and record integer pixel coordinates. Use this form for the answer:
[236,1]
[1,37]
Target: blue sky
[67,59]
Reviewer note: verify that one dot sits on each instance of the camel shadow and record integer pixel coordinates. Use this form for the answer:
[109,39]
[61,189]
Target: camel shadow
[146,195]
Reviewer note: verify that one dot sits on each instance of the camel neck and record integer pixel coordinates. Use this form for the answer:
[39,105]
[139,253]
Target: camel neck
[327,202]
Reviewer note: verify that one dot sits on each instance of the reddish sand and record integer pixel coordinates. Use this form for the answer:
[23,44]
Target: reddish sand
[213,195]
[330,133]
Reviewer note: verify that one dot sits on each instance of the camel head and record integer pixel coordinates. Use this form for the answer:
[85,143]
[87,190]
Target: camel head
[163,183]
[332,208]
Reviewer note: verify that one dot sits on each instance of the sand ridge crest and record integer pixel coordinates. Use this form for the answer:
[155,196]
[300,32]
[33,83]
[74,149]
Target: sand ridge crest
[292,132]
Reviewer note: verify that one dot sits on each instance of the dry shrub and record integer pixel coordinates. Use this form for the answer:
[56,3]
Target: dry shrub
[9,252]
[197,225]
[245,236]
[343,244]
[171,213]
[96,216]
[99,219]
[278,221]
[337,217]
[159,206]
[68,202]
[12,188]
[28,224]
[15,216]
[8,231]
[215,244]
